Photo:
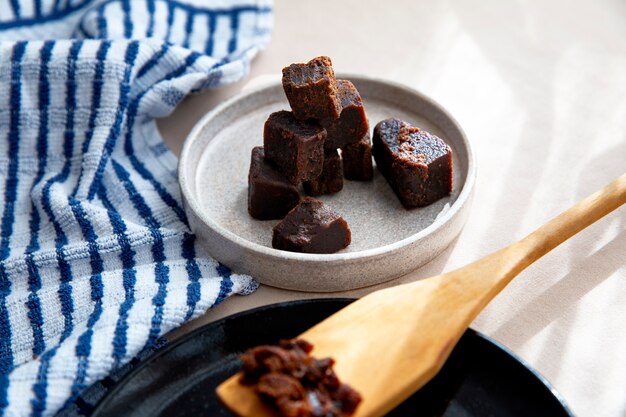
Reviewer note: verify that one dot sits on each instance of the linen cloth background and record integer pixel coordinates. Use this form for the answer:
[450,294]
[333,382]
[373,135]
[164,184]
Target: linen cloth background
[96,258]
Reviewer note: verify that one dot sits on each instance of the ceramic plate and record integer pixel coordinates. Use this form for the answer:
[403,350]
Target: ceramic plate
[480,378]
[387,240]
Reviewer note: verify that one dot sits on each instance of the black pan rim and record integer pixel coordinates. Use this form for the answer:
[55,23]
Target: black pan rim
[102,404]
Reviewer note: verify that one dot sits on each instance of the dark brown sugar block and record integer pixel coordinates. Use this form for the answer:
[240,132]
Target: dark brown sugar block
[416,164]
[357,160]
[311,227]
[270,195]
[331,179]
[311,89]
[296,147]
[352,123]
[296,383]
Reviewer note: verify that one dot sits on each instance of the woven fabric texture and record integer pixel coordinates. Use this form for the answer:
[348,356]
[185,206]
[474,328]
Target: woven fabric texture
[97,261]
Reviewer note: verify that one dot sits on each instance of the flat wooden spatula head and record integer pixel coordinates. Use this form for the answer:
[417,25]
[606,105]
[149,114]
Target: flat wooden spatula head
[385,350]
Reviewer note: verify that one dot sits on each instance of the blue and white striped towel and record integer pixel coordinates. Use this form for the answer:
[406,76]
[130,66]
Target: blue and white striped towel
[96,258]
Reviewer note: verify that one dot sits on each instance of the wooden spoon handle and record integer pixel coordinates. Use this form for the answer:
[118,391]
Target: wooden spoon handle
[507,263]
[572,221]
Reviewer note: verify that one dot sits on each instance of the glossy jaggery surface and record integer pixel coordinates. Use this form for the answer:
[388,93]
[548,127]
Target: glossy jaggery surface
[357,160]
[416,164]
[311,227]
[270,194]
[331,179]
[311,89]
[296,147]
[352,123]
[295,383]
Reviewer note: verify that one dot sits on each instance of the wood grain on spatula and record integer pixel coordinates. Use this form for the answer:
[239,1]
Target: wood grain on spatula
[391,342]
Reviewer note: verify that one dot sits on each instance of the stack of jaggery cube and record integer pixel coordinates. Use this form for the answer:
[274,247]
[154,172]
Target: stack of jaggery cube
[301,147]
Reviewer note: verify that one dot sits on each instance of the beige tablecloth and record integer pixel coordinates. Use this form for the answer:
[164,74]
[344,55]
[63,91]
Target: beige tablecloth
[540,89]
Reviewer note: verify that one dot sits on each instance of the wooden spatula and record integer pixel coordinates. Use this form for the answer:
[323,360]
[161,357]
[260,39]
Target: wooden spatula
[391,342]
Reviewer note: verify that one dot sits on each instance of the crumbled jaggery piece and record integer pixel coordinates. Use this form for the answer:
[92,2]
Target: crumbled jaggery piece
[295,382]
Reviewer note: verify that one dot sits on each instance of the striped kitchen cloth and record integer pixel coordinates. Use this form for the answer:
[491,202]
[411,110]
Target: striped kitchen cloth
[96,258]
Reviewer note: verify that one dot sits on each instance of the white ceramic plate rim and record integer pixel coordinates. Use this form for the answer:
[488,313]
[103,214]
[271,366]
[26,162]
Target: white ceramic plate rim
[189,195]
